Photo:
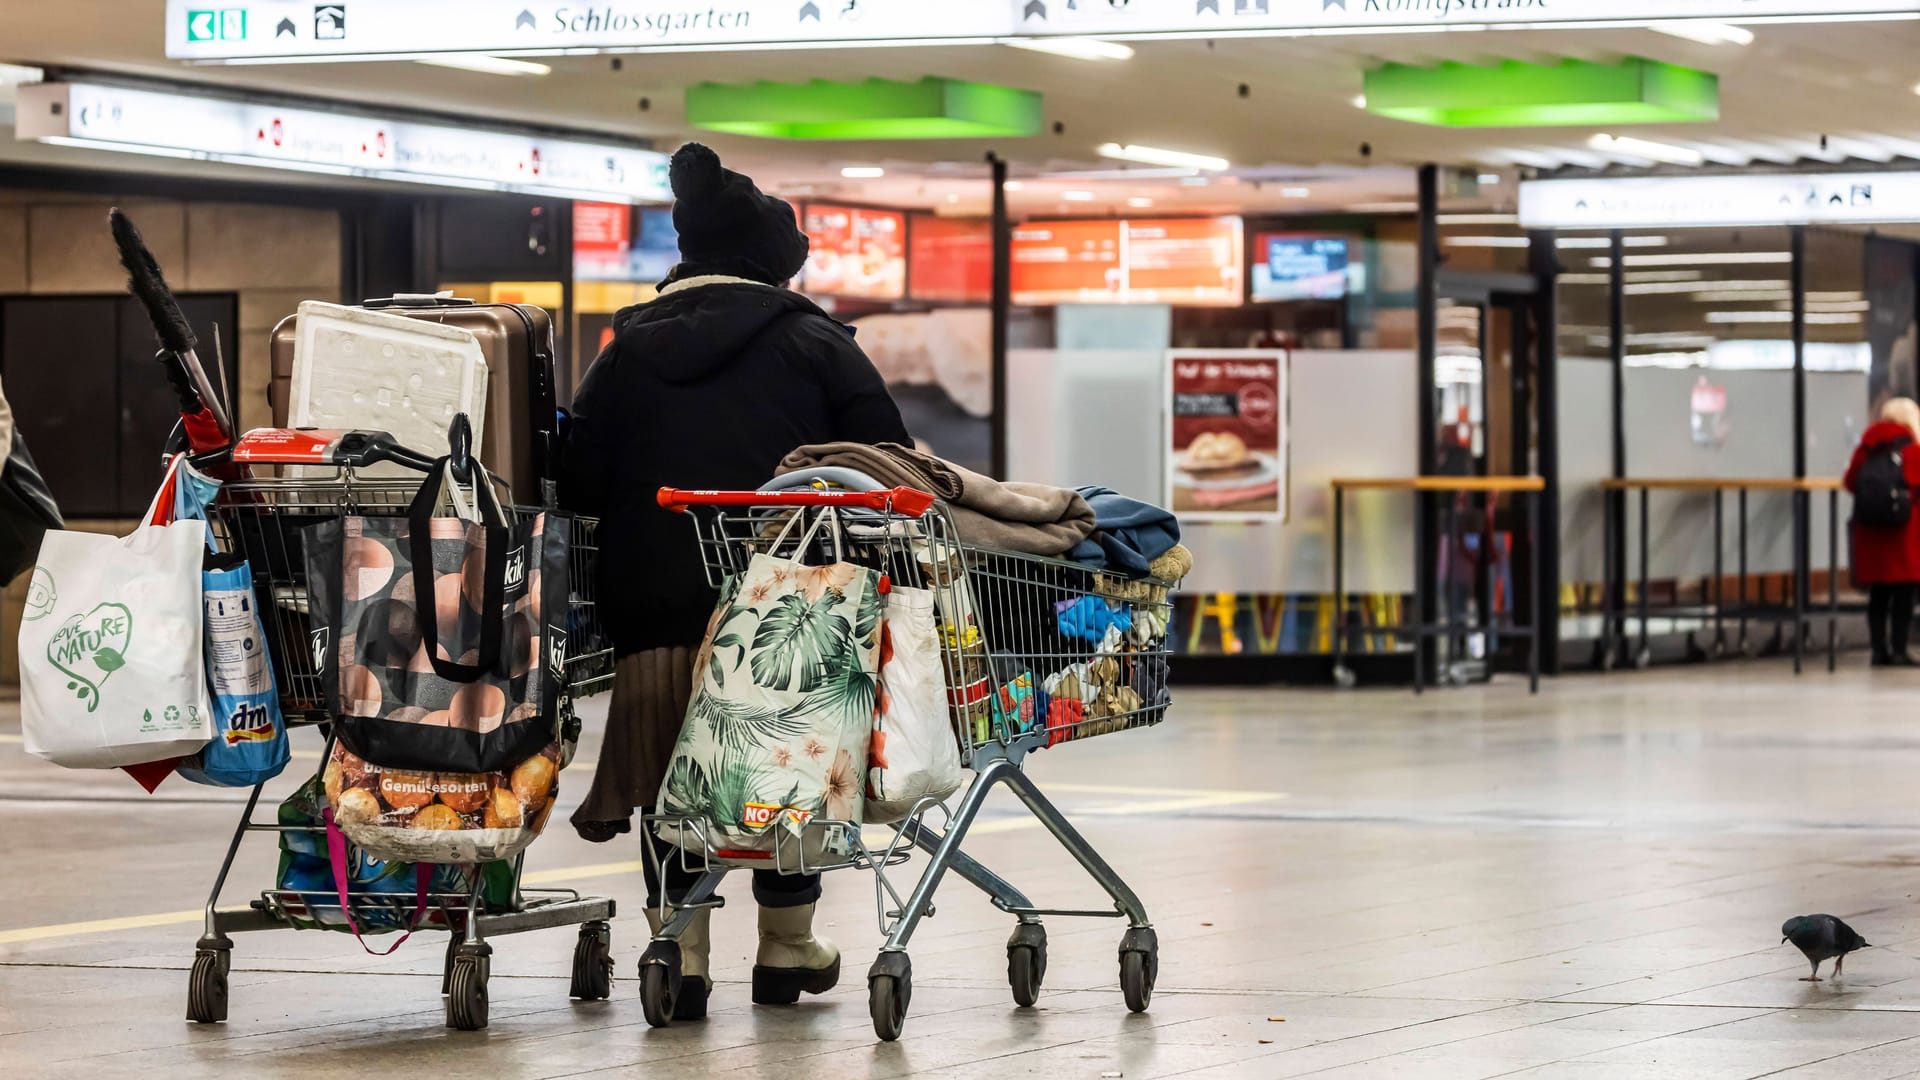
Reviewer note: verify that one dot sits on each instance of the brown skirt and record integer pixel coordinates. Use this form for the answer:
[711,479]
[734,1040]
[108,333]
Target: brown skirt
[650,694]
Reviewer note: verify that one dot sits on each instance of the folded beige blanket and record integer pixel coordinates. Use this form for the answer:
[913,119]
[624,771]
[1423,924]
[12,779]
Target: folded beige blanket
[1034,519]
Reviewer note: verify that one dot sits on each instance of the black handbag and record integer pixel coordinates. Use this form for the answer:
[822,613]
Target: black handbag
[27,511]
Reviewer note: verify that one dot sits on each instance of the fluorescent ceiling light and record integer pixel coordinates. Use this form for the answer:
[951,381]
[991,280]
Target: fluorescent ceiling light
[1479,219]
[1663,275]
[1584,279]
[1295,192]
[1013,185]
[1628,146]
[1140,201]
[486,65]
[1075,48]
[1152,155]
[1828,307]
[1487,241]
[1770,296]
[1359,101]
[1705,258]
[863,172]
[1704,31]
[15,74]
[1489,179]
[1077,196]
[1694,284]
[1813,319]
[1385,208]
[1575,243]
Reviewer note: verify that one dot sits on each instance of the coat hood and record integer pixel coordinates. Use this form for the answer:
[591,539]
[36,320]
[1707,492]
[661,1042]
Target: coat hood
[697,327]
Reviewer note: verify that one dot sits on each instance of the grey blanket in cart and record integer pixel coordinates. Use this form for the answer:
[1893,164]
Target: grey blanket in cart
[1035,519]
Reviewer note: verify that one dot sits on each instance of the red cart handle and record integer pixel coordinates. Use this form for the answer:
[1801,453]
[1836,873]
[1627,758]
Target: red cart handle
[901,500]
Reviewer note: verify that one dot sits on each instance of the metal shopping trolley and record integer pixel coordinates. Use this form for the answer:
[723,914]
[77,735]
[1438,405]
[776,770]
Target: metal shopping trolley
[299,479]
[1016,683]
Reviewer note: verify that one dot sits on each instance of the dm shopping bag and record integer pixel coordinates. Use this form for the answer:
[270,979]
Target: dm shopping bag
[914,754]
[776,734]
[441,641]
[111,670]
[249,744]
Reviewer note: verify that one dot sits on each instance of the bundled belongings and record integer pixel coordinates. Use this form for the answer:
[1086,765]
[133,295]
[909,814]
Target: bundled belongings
[1033,519]
[1128,534]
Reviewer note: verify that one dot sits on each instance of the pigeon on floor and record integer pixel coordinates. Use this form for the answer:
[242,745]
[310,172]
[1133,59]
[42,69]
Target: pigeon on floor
[1822,937]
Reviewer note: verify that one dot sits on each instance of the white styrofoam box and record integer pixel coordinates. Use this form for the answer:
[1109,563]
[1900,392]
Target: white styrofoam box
[375,370]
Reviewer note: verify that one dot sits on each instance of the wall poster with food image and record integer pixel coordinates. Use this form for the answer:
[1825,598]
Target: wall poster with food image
[1227,453]
[855,253]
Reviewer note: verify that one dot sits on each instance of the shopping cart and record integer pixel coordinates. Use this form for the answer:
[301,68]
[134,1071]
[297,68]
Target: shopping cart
[1016,684]
[300,479]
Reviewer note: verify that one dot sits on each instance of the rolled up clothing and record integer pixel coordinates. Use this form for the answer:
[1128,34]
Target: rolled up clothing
[1033,519]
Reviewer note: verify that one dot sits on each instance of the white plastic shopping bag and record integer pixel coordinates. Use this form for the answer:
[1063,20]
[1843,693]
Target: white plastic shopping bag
[914,754]
[111,669]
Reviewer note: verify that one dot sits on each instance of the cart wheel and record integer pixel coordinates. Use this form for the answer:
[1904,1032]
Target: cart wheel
[467,995]
[207,987]
[1344,678]
[1139,965]
[660,981]
[1027,962]
[889,993]
[593,963]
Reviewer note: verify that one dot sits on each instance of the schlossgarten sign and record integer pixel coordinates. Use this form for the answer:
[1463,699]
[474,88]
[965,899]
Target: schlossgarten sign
[217,31]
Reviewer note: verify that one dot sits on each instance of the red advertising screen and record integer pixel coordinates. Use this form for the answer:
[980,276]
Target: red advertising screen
[951,259]
[1191,261]
[1068,262]
[855,253]
[602,235]
[1178,261]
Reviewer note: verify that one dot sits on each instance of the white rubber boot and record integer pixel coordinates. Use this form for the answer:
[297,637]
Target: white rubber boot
[791,961]
[696,946]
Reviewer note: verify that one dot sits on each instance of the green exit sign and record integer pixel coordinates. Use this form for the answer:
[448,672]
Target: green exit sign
[219,24]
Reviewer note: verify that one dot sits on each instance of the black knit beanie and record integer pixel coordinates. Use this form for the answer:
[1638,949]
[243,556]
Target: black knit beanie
[729,226]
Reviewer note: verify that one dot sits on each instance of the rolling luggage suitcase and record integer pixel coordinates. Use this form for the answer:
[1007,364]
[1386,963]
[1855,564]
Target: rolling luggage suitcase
[517,339]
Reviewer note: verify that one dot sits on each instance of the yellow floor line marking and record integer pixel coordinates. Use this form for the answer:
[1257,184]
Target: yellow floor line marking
[99,926]
[635,866]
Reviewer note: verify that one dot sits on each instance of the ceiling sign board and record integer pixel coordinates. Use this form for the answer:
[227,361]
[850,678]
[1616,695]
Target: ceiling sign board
[225,31]
[1519,94]
[870,109]
[336,143]
[1755,199]
[213,30]
[1216,18]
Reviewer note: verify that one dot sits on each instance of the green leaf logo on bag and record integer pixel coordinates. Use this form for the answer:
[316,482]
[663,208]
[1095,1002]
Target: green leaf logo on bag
[91,647]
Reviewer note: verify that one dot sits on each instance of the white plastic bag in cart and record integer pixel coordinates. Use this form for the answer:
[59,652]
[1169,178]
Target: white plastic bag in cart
[914,754]
[111,671]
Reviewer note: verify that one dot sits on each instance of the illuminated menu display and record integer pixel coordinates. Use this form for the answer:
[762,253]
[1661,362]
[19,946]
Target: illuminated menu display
[1190,261]
[951,259]
[855,253]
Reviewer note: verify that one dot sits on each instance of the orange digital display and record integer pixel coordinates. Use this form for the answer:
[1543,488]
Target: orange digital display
[950,259]
[855,253]
[1190,261]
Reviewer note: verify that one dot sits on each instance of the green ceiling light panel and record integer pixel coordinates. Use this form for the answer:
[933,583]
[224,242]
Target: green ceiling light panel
[873,109]
[1518,94]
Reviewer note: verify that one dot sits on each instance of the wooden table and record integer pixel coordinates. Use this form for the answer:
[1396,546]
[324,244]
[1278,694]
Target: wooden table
[1527,488]
[1613,628]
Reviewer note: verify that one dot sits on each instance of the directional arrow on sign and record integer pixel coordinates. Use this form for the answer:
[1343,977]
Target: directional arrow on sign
[200,26]
[809,11]
[1206,5]
[1036,8]
[285,29]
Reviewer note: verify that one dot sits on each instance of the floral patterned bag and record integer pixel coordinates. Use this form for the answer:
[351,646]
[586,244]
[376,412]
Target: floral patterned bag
[787,684]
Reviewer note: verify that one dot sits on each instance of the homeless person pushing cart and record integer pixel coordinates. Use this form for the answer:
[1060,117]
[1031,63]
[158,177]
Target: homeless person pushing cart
[835,642]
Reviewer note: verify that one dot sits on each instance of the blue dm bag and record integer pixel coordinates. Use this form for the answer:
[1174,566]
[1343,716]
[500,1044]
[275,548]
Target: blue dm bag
[249,744]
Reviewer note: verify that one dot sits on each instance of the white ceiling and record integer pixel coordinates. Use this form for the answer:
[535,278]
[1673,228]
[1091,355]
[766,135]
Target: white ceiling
[1297,121]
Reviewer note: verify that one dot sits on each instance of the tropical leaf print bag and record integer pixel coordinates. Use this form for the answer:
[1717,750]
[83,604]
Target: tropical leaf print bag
[776,735]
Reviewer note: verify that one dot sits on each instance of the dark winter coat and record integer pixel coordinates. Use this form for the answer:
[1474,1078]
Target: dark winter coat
[1882,555]
[706,387]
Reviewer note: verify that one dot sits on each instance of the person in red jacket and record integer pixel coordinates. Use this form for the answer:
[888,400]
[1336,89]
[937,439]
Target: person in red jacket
[1886,557]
